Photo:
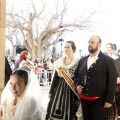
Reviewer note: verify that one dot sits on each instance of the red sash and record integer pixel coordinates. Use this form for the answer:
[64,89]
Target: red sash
[89,97]
[118,85]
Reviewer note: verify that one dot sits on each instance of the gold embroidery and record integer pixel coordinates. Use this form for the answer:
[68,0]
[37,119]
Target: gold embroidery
[1,113]
[13,110]
[5,104]
[3,109]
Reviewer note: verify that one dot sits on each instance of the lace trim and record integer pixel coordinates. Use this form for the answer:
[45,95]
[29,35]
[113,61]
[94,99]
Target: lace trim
[69,69]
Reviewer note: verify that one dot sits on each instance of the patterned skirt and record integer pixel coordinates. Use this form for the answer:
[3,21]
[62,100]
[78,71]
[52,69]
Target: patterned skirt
[64,103]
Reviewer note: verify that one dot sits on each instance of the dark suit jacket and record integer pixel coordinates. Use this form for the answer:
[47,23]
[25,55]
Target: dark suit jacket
[8,71]
[117,65]
[100,77]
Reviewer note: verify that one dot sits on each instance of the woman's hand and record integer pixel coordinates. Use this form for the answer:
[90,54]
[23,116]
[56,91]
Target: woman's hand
[107,105]
[49,95]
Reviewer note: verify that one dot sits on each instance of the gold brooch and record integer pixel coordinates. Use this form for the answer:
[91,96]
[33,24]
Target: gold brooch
[13,110]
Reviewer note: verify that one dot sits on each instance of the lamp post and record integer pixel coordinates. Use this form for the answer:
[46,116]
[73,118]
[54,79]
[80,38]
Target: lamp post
[44,48]
[80,52]
[61,40]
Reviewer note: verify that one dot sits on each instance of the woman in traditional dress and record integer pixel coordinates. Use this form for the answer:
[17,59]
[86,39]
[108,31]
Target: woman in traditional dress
[109,50]
[21,98]
[63,103]
[25,57]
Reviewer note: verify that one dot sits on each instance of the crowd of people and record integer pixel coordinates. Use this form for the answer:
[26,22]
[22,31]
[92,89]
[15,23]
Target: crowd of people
[42,68]
[95,94]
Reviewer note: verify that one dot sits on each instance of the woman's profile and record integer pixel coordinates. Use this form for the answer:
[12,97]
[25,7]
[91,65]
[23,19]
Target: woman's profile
[63,104]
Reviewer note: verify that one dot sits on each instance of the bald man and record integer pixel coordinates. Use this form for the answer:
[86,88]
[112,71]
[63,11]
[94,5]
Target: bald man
[96,77]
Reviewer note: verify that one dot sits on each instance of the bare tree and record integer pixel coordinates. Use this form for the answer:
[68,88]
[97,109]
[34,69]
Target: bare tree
[35,36]
[13,35]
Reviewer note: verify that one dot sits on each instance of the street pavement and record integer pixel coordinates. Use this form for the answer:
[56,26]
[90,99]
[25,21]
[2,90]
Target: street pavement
[44,94]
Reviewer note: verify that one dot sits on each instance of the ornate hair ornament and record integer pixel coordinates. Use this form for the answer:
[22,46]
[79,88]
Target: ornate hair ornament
[25,67]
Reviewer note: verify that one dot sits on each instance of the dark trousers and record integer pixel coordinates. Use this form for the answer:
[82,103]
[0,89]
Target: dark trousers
[117,98]
[94,110]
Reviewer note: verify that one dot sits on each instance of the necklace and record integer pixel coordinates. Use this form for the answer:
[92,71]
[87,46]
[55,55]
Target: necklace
[67,63]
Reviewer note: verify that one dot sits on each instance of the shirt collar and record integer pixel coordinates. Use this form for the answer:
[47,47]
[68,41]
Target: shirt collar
[95,56]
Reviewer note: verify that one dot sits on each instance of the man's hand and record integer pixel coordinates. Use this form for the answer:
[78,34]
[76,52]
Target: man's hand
[118,80]
[107,105]
[79,89]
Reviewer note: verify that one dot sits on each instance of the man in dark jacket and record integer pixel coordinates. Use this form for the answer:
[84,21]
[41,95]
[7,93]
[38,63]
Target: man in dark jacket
[117,93]
[95,82]
[8,71]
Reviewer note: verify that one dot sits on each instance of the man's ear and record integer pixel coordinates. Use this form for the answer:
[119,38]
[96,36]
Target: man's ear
[99,44]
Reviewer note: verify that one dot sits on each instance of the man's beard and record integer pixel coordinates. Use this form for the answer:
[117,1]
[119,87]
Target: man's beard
[91,50]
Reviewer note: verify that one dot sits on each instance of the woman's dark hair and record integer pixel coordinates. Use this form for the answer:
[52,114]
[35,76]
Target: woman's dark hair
[110,45]
[118,51]
[23,74]
[114,46]
[72,45]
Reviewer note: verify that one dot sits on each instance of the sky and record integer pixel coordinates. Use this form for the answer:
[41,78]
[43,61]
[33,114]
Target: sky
[106,21]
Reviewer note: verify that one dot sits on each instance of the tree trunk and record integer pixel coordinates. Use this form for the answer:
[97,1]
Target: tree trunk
[14,52]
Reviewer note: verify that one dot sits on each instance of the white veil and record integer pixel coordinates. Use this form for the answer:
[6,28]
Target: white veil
[30,105]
